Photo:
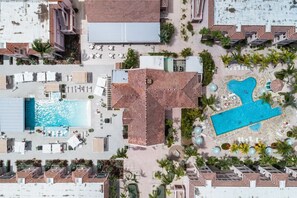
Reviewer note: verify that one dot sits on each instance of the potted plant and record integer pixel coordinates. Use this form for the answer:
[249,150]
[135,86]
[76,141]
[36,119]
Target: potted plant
[273,145]
[225,146]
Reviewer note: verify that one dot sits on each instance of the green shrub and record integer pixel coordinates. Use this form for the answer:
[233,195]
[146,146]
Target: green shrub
[188,118]
[132,59]
[186,52]
[166,32]
[208,67]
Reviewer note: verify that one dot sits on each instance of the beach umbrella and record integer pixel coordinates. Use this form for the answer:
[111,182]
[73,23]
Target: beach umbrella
[289,141]
[213,87]
[277,85]
[199,140]
[197,130]
[252,151]
[268,150]
[216,150]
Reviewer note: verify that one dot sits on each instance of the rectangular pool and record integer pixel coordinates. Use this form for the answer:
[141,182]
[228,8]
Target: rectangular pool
[55,113]
[245,115]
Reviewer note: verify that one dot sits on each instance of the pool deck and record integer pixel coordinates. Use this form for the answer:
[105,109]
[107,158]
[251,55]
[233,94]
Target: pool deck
[113,131]
[270,130]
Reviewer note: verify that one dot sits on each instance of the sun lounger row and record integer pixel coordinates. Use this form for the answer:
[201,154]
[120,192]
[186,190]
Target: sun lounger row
[79,89]
[238,67]
[35,77]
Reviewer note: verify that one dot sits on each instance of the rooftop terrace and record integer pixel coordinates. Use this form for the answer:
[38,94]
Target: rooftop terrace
[24,20]
[255,12]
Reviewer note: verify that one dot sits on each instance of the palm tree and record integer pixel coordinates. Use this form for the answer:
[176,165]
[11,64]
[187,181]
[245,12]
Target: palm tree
[260,147]
[226,59]
[289,100]
[256,58]
[266,97]
[224,163]
[225,41]
[264,64]
[208,102]
[234,148]
[163,162]
[283,148]
[291,160]
[287,56]
[267,160]
[244,148]
[293,85]
[167,179]
[217,35]
[273,57]
[212,161]
[204,31]
[246,60]
[41,47]
[190,151]
[158,174]
[121,153]
[179,172]
[155,193]
[286,73]
[200,162]
[293,132]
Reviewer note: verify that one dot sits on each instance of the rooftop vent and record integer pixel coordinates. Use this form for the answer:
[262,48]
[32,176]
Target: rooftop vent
[149,81]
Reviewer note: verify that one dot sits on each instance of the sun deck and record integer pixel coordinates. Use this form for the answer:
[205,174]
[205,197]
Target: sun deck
[24,20]
[255,12]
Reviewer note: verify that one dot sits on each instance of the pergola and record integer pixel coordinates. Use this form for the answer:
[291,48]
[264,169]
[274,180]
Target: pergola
[80,77]
[51,87]
[2,82]
[98,144]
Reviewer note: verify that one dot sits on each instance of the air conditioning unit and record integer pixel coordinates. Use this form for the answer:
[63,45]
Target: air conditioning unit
[78,180]
[50,180]
[21,180]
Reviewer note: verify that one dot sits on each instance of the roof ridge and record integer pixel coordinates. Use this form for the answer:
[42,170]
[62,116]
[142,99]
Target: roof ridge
[188,84]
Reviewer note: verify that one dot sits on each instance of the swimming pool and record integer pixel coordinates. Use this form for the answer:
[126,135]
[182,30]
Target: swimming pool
[55,113]
[249,113]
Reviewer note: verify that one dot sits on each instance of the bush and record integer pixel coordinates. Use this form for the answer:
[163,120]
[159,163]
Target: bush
[91,97]
[208,67]
[188,118]
[226,146]
[132,59]
[186,52]
[91,130]
[164,53]
[8,166]
[290,134]
[166,32]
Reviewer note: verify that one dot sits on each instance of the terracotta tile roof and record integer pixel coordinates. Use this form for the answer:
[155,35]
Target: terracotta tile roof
[123,10]
[260,30]
[11,48]
[54,172]
[80,172]
[147,95]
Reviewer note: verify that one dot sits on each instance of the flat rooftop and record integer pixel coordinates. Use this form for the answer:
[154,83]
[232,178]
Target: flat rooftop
[245,192]
[22,21]
[255,12]
[52,190]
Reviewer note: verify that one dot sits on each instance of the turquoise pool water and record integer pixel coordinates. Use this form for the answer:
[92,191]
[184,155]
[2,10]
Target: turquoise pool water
[256,127]
[55,113]
[249,113]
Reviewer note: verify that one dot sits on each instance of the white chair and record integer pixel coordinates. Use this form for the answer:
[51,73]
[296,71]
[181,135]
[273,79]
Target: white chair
[91,46]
